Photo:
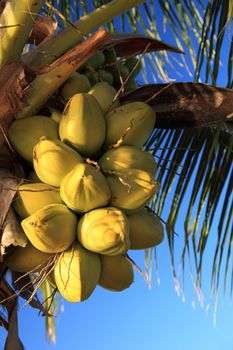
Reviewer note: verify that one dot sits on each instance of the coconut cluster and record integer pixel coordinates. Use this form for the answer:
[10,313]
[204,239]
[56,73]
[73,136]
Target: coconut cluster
[86,201]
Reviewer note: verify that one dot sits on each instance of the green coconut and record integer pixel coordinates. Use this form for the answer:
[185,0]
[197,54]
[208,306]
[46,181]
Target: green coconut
[77,273]
[131,189]
[25,133]
[134,65]
[82,124]
[132,122]
[105,76]
[104,231]
[120,72]
[96,61]
[146,230]
[85,188]
[104,94]
[75,84]
[92,76]
[27,259]
[130,85]
[126,157]
[53,160]
[31,197]
[116,273]
[51,229]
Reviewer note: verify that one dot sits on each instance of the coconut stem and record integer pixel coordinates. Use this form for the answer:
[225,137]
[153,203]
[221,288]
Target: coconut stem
[56,46]
[53,76]
[16,22]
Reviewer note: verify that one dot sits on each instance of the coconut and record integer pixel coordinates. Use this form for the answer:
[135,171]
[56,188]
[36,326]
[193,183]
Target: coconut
[27,259]
[131,189]
[25,133]
[77,273]
[146,230]
[96,61]
[132,122]
[51,229]
[31,197]
[53,160]
[85,188]
[82,124]
[75,84]
[104,231]
[104,94]
[116,273]
[126,157]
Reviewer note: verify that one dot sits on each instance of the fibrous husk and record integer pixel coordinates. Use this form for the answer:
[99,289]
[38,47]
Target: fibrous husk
[82,124]
[77,273]
[53,160]
[133,122]
[75,84]
[131,189]
[31,197]
[126,157]
[104,94]
[85,188]
[104,231]
[116,273]
[25,133]
[146,230]
[51,229]
[26,259]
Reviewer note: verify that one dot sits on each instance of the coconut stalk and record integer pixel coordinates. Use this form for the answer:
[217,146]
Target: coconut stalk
[16,22]
[53,76]
[57,45]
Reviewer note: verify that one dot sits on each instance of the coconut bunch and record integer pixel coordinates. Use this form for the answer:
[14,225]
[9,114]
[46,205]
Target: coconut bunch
[84,204]
[103,66]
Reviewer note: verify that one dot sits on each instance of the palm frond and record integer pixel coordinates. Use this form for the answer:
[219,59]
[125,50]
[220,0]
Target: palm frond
[195,167]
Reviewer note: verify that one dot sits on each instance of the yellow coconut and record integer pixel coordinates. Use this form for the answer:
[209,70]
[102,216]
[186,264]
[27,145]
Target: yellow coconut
[53,160]
[51,229]
[104,231]
[116,273]
[82,124]
[132,122]
[75,84]
[126,157]
[104,94]
[25,133]
[131,189]
[85,188]
[146,230]
[27,259]
[77,273]
[31,197]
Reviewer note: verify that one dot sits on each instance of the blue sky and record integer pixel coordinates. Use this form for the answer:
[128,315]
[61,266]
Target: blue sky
[138,318]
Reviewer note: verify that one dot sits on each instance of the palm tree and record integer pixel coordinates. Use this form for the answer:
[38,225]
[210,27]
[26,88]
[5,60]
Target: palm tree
[192,139]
